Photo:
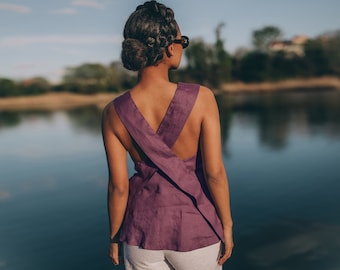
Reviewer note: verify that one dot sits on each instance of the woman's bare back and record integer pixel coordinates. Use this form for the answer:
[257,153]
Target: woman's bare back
[153,104]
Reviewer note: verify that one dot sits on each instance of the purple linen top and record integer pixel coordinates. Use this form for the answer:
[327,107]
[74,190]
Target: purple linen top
[169,206]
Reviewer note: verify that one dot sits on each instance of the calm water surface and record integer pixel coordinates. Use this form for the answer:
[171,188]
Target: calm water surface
[281,151]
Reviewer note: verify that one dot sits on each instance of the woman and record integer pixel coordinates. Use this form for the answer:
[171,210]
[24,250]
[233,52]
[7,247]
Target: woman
[174,212]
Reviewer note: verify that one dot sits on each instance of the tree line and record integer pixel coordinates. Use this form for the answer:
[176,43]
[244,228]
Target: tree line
[209,64]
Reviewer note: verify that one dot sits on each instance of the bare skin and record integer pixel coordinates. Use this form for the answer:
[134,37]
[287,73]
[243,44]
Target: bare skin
[152,95]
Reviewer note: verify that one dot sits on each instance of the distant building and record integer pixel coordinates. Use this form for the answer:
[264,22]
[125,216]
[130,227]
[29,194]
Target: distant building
[27,82]
[293,47]
[327,37]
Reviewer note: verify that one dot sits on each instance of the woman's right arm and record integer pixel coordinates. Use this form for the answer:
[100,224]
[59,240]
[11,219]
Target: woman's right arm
[118,186]
[215,173]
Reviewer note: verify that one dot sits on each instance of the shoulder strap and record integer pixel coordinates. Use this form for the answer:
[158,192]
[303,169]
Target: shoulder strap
[178,112]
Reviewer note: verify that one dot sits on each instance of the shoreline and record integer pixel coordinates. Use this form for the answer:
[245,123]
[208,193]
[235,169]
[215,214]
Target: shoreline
[55,101]
[320,83]
[67,100]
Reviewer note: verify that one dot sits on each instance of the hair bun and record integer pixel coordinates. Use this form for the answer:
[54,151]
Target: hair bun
[148,32]
[133,54]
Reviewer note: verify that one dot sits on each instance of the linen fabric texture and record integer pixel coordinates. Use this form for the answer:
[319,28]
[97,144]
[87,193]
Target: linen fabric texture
[169,205]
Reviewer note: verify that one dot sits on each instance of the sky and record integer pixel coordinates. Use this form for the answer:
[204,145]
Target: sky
[43,37]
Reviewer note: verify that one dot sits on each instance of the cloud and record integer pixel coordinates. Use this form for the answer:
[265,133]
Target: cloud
[30,66]
[14,8]
[20,41]
[68,11]
[87,3]
[68,51]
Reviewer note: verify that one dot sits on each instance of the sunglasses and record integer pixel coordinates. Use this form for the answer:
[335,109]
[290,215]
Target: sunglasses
[184,41]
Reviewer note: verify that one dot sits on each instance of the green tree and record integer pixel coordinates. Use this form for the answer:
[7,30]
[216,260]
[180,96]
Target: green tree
[199,60]
[331,47]
[93,78]
[221,64]
[255,67]
[120,78]
[8,88]
[263,37]
[208,64]
[35,86]
[87,78]
[315,56]
[90,73]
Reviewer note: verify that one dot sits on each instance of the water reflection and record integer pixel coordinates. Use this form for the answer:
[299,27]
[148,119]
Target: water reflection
[291,245]
[86,119]
[277,114]
[224,103]
[83,119]
[9,119]
[14,118]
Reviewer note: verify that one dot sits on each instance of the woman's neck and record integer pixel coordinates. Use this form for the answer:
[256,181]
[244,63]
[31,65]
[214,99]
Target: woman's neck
[154,75]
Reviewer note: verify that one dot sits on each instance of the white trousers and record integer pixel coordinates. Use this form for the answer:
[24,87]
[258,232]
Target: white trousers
[206,258]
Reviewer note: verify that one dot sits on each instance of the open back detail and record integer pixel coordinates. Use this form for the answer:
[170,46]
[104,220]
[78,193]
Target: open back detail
[179,109]
[169,205]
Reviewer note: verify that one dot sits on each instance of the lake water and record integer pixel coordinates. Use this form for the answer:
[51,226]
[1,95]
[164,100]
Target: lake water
[281,151]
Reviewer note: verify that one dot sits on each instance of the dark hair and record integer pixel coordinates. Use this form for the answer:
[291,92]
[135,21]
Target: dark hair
[149,30]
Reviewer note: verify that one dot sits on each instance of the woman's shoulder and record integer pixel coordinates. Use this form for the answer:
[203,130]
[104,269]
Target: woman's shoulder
[206,91]
[205,96]
[203,91]
[109,111]
[110,106]
[110,116]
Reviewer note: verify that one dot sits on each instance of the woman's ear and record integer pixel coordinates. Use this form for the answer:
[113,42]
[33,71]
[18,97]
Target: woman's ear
[170,50]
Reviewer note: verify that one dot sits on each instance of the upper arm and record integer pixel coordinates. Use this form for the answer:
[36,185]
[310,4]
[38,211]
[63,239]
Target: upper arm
[210,134]
[116,153]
